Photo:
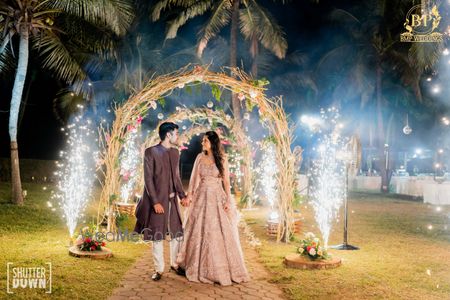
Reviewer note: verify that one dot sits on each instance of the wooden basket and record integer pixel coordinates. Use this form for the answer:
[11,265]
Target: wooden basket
[272,227]
[126,208]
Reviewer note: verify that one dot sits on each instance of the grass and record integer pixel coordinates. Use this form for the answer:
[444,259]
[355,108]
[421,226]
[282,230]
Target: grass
[397,249]
[33,234]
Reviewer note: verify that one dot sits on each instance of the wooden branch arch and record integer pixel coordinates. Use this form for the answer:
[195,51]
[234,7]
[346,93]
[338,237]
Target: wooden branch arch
[271,113]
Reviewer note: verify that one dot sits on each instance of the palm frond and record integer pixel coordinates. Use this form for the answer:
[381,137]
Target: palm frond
[196,9]
[116,15]
[256,20]
[85,35]
[162,5]
[220,17]
[425,55]
[57,58]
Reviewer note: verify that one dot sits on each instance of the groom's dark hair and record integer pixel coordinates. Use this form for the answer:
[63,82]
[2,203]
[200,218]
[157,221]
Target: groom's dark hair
[165,128]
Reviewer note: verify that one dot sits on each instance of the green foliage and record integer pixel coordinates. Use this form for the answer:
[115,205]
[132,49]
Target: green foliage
[162,102]
[112,199]
[216,92]
[298,199]
[270,139]
[249,105]
[260,82]
[121,219]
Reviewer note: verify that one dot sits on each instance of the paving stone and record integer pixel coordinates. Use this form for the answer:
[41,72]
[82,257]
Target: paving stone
[137,284]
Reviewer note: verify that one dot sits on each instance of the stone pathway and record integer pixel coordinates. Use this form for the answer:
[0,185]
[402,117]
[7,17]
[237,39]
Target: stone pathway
[137,284]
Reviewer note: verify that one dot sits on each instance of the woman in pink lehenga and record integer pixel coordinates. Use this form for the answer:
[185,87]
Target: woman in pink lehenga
[211,251]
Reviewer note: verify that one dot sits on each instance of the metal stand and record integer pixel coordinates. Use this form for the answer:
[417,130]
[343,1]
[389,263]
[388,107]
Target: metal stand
[345,245]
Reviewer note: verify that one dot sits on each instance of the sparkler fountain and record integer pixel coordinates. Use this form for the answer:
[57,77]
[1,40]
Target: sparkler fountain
[75,171]
[268,178]
[328,174]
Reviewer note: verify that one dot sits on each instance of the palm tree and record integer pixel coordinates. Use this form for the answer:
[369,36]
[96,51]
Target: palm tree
[52,27]
[254,21]
[374,55]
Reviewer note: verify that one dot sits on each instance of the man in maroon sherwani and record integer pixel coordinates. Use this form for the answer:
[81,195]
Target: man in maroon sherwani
[157,213]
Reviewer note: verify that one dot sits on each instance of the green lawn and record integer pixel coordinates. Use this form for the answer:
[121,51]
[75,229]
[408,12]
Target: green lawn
[397,250]
[34,234]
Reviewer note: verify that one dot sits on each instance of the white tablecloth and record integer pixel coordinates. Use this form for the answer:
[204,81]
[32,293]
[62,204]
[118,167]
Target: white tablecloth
[436,193]
[411,186]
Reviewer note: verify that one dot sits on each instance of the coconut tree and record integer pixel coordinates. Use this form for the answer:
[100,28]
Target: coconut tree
[373,55]
[254,21]
[49,28]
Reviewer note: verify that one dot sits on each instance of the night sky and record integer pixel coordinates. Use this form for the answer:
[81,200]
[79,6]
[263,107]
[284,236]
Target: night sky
[308,29]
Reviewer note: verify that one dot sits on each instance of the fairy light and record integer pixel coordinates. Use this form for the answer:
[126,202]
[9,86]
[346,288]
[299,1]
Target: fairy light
[328,174]
[75,172]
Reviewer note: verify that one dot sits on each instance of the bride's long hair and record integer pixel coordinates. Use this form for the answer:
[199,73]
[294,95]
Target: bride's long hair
[217,150]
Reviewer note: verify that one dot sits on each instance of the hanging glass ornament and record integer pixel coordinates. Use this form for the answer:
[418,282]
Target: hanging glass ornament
[407,129]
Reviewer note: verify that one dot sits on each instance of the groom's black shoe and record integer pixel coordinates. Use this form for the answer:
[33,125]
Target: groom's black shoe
[156,276]
[180,271]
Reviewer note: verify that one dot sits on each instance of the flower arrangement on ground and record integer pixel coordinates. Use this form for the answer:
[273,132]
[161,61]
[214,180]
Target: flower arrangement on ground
[86,241]
[311,247]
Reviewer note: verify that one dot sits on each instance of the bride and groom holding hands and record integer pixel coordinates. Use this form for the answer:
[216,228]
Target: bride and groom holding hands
[205,247]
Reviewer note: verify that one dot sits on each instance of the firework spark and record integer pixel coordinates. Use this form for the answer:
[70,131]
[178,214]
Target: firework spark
[75,172]
[328,174]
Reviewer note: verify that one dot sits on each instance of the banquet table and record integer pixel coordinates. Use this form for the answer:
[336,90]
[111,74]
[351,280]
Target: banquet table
[436,193]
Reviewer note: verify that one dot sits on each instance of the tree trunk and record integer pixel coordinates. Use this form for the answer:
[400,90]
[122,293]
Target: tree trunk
[233,55]
[25,98]
[383,151]
[19,82]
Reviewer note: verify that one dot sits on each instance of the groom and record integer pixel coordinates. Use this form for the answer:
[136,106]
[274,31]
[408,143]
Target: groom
[158,214]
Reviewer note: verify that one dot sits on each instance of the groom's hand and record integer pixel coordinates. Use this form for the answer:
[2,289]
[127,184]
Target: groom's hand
[159,209]
[185,201]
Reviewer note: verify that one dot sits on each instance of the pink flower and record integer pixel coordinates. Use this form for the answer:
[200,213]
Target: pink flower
[183,148]
[139,120]
[225,142]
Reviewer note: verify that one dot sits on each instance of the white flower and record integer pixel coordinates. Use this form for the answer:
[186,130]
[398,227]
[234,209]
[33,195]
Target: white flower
[320,252]
[312,251]
[316,240]
[153,104]
[79,240]
[310,235]
[301,250]
[181,85]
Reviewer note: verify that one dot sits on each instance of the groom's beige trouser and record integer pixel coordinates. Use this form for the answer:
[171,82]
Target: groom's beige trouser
[158,253]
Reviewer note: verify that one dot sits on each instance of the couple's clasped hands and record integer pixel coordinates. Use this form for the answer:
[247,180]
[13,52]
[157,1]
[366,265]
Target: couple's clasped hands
[186,201]
[159,209]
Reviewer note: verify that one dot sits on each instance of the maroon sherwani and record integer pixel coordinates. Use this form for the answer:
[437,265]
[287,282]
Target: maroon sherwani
[162,178]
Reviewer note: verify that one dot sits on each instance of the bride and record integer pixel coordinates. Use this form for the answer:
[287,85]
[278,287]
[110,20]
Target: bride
[211,251]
